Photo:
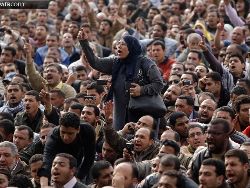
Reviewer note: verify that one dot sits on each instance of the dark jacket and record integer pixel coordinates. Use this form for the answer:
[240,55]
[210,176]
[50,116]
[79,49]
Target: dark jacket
[80,185]
[149,72]
[82,148]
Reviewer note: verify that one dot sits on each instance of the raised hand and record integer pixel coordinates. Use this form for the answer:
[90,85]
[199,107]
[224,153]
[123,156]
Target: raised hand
[82,35]
[220,26]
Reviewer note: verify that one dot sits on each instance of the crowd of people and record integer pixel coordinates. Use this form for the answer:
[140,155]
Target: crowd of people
[68,76]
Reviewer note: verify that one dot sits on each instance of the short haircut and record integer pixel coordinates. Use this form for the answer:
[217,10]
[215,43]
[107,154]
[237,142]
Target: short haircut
[13,147]
[54,35]
[193,125]
[47,125]
[70,100]
[215,76]
[180,178]
[194,76]
[197,52]
[96,109]
[241,155]
[244,99]
[226,126]
[160,43]
[81,68]
[56,65]
[211,95]
[8,126]
[71,158]
[171,160]
[16,84]
[70,119]
[76,106]
[42,25]
[238,56]
[226,109]
[93,85]
[25,127]
[6,172]
[11,49]
[189,99]
[34,93]
[174,116]
[238,90]
[172,144]
[218,164]
[108,21]
[163,26]
[35,158]
[97,167]
[58,92]
[20,181]
[246,81]
[6,115]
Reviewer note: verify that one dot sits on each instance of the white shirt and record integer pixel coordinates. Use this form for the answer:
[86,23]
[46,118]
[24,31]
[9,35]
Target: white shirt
[71,183]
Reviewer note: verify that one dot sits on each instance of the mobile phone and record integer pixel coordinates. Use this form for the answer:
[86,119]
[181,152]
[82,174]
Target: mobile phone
[186,82]
[130,147]
[89,97]
[101,82]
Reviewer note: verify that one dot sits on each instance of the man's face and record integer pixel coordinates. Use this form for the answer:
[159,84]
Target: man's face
[7,159]
[212,86]
[201,71]
[89,116]
[34,167]
[67,40]
[182,106]
[167,181]
[172,93]
[244,114]
[190,67]
[68,134]
[177,69]
[206,111]
[9,68]
[40,33]
[158,32]
[187,77]
[105,178]
[4,182]
[42,17]
[52,76]
[235,66]
[44,133]
[6,57]
[193,57]
[74,12]
[81,75]
[145,121]
[98,97]
[31,104]
[158,53]
[14,94]
[212,19]
[237,36]
[208,177]
[216,138]
[167,150]
[108,153]
[21,139]
[125,170]
[56,100]
[226,116]
[173,79]
[235,170]
[181,126]
[61,172]
[52,41]
[196,137]
[142,140]
[73,29]
[151,14]
[246,149]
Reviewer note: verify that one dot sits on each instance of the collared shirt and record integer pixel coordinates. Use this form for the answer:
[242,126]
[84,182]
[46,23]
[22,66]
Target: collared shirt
[71,183]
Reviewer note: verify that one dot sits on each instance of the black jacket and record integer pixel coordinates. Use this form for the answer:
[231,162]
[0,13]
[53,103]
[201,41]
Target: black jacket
[83,149]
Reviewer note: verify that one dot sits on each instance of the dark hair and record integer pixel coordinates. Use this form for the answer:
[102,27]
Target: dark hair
[226,126]
[54,35]
[226,109]
[194,76]
[172,144]
[23,77]
[108,21]
[218,164]
[35,158]
[56,65]
[77,106]
[211,95]
[6,116]
[96,109]
[20,181]
[163,26]
[11,49]
[189,99]
[180,178]
[193,125]
[80,95]
[70,100]
[197,52]
[6,172]
[47,125]
[238,56]
[246,81]
[238,90]
[8,126]
[97,167]
[25,127]
[42,25]
[70,119]
[71,158]
[174,116]
[34,93]
[241,155]
[58,92]
[215,76]
[16,84]
[93,85]
[245,99]
[159,42]
[171,160]
[81,68]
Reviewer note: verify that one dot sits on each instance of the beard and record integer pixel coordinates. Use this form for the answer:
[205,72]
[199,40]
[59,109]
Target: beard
[169,103]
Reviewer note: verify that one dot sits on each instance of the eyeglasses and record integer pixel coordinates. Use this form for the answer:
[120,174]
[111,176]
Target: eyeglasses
[174,82]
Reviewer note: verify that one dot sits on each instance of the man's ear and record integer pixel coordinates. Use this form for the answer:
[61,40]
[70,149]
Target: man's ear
[219,180]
